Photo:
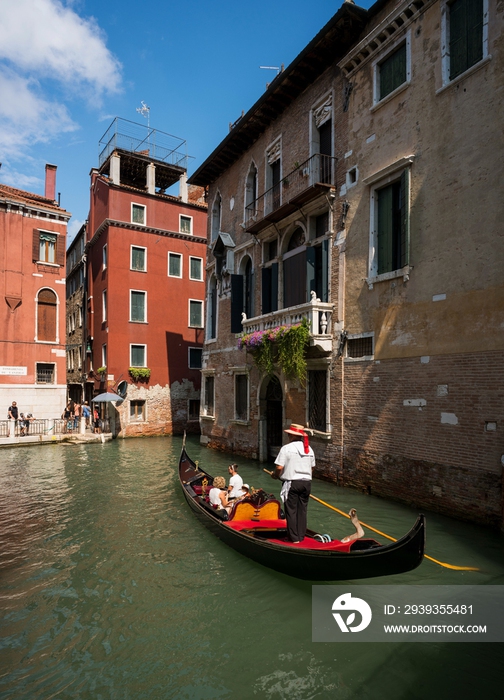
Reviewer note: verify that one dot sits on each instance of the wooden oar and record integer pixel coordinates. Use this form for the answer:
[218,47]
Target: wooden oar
[388,537]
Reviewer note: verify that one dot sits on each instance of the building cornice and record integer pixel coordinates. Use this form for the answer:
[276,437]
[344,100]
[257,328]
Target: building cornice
[107,223]
[387,31]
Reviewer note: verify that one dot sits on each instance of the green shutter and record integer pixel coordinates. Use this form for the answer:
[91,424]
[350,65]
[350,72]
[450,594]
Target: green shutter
[311,282]
[236,303]
[405,219]
[274,287]
[137,306]
[393,71]
[266,290]
[324,295]
[385,229]
[466,35]
[195,314]
[138,356]
[138,259]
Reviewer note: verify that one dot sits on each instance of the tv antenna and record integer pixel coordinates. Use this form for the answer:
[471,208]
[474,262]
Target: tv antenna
[144,110]
[277,68]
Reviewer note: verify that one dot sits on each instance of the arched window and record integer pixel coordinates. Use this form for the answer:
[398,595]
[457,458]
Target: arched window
[216,216]
[47,313]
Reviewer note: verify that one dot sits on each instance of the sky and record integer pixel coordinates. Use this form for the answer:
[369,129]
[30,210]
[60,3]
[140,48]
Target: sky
[69,67]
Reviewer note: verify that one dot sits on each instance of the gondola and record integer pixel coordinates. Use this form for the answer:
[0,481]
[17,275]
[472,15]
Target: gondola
[256,528]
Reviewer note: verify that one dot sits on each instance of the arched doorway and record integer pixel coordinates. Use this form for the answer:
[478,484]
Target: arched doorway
[273,413]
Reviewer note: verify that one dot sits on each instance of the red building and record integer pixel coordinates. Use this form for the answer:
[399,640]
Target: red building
[32,318]
[145,281]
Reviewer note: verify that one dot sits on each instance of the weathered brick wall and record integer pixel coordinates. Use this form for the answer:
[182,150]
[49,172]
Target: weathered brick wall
[166,410]
[423,430]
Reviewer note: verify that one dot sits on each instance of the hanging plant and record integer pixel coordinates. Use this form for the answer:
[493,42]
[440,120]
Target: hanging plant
[139,373]
[283,346]
[101,370]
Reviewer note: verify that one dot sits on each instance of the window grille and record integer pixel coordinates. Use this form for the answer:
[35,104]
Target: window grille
[317,399]
[360,347]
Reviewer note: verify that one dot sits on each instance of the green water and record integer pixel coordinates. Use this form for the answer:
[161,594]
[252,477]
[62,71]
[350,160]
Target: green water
[110,589]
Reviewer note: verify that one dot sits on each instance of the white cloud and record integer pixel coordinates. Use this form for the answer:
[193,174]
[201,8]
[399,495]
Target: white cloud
[45,45]
[73,229]
[50,40]
[26,116]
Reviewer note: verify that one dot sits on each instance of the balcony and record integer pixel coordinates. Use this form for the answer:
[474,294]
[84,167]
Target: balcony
[317,313]
[307,181]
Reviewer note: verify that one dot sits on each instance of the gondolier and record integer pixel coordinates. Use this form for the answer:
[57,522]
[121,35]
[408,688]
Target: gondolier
[293,466]
[256,528]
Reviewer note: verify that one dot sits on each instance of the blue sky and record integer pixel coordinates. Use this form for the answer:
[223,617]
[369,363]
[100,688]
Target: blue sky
[68,67]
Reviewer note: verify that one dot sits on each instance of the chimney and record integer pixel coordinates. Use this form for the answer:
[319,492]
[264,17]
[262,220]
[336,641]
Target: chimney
[183,187]
[50,182]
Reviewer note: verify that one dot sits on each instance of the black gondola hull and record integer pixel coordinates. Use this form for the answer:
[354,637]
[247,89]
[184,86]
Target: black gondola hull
[312,565]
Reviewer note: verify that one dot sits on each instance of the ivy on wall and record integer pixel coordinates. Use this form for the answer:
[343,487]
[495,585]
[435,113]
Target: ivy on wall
[283,347]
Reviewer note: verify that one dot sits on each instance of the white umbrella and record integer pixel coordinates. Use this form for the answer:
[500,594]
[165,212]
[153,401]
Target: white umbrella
[108,396]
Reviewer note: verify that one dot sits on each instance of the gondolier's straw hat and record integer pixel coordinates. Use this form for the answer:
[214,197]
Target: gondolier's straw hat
[299,430]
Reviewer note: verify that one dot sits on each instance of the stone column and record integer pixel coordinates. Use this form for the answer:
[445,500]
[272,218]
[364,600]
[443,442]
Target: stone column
[151,178]
[115,169]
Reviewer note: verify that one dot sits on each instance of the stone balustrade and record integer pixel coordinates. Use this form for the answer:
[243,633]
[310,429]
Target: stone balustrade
[317,313]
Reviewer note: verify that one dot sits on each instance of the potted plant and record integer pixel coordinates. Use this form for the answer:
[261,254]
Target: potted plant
[139,374]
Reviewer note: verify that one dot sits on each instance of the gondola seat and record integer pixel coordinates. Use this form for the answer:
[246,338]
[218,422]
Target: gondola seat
[249,509]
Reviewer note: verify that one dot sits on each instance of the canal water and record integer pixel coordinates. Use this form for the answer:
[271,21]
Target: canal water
[110,589]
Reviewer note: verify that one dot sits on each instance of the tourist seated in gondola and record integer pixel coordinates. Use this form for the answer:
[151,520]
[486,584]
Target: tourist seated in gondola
[218,495]
[235,488]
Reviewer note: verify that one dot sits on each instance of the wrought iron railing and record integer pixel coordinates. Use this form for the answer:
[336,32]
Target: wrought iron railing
[141,139]
[46,426]
[317,169]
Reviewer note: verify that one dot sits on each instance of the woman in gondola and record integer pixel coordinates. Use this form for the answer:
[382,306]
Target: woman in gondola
[218,495]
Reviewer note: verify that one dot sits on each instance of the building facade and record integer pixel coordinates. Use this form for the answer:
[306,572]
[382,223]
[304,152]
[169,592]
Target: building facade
[360,193]
[145,282]
[33,232]
[76,318]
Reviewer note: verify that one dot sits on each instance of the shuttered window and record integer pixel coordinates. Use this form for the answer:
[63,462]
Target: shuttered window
[185,224]
[466,35]
[174,265]
[138,306]
[47,315]
[393,225]
[138,258]
[195,268]
[294,269]
[275,181]
[195,314]
[325,145]
[138,355]
[236,303]
[138,214]
[241,397]
[392,71]
[48,247]
[269,292]
[212,306]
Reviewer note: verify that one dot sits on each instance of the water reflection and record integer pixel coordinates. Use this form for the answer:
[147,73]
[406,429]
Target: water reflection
[111,589]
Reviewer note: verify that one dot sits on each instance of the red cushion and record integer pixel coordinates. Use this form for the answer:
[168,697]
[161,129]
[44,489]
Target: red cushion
[248,524]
